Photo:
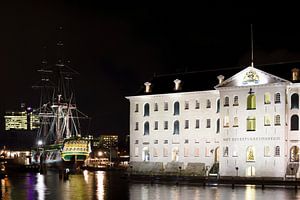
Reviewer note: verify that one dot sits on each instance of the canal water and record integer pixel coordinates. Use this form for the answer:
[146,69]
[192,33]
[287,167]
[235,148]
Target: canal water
[110,185]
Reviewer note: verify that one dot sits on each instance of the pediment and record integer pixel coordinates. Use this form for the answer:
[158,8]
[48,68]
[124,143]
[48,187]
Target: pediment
[249,77]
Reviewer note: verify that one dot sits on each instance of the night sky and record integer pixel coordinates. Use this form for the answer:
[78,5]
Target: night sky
[117,49]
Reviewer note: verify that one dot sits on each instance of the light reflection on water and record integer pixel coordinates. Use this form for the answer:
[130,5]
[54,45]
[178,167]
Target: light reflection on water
[109,185]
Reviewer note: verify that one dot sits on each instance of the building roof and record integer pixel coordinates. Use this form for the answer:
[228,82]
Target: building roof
[207,80]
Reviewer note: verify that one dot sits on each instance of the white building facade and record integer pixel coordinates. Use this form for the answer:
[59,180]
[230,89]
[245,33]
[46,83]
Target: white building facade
[247,125]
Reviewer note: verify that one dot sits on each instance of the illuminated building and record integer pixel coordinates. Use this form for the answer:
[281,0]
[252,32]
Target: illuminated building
[245,125]
[21,120]
[107,141]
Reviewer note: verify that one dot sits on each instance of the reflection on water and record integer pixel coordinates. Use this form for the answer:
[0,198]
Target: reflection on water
[109,185]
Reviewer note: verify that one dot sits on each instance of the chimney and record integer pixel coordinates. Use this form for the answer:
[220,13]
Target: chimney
[177,84]
[295,74]
[147,87]
[220,78]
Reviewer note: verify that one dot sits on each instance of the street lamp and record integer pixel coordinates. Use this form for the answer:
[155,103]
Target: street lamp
[40,143]
[100,153]
[237,171]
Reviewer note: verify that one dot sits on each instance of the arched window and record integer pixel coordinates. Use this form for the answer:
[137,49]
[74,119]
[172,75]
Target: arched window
[218,105]
[294,123]
[225,151]
[277,97]
[267,151]
[226,121]
[146,109]
[176,127]
[146,154]
[146,128]
[267,98]
[277,120]
[175,154]
[277,151]
[235,122]
[295,101]
[294,154]
[250,154]
[176,108]
[251,123]
[267,120]
[251,101]
[226,101]
[208,104]
[155,107]
[235,101]
[218,126]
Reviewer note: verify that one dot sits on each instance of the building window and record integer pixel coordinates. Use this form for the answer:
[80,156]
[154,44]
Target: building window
[294,154]
[155,107]
[235,101]
[176,108]
[165,152]
[155,152]
[186,124]
[235,122]
[267,97]
[277,97]
[146,109]
[218,126]
[294,123]
[166,125]
[136,108]
[156,125]
[186,141]
[155,141]
[186,105]
[251,124]
[277,151]
[226,121]
[197,105]
[207,123]
[136,151]
[267,151]
[166,106]
[295,101]
[136,126]
[277,120]
[175,154]
[226,101]
[176,127]
[225,152]
[166,141]
[197,152]
[186,152]
[250,154]
[251,101]
[218,105]
[208,104]
[197,123]
[146,128]
[146,154]
[267,120]
[136,142]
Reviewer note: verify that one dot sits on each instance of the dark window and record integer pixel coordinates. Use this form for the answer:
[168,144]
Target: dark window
[294,101]
[146,128]
[176,127]
[295,123]
[146,109]
[176,108]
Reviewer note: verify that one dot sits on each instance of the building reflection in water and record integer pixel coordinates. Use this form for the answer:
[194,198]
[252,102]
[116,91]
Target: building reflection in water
[40,186]
[5,189]
[250,192]
[100,181]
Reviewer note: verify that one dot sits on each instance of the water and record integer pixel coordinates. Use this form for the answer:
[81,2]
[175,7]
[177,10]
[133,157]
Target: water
[110,185]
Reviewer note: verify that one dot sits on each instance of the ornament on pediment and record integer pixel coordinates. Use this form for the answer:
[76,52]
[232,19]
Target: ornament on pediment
[251,77]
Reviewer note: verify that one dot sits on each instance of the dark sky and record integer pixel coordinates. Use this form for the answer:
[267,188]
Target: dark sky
[117,49]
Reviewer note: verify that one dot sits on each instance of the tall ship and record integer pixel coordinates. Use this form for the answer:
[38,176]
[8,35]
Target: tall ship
[59,139]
